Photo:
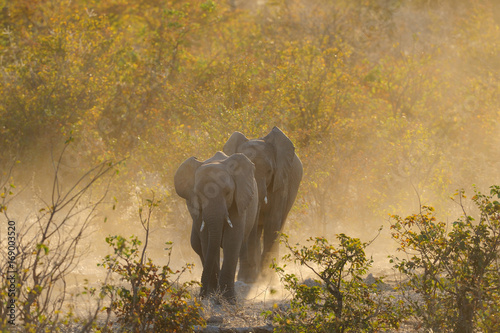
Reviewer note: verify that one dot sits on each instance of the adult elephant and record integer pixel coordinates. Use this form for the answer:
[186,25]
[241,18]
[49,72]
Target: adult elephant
[278,172]
[222,199]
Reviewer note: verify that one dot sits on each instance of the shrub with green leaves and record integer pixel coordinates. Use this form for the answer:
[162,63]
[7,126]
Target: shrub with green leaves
[151,299]
[340,300]
[454,269]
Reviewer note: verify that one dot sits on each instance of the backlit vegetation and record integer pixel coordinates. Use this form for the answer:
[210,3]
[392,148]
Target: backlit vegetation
[376,95]
[382,99]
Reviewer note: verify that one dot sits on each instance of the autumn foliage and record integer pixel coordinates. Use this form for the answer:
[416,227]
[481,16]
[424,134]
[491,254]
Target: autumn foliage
[378,96]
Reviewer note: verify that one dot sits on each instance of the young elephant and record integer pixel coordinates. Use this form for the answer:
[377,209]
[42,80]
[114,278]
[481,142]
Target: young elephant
[222,198]
[278,172]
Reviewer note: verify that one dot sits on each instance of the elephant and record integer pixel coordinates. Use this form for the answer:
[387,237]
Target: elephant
[222,198]
[278,172]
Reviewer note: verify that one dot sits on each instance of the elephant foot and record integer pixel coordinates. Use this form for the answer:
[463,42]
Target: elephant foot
[203,293]
[218,297]
[229,298]
[248,274]
[268,275]
[209,294]
[227,295]
[249,278]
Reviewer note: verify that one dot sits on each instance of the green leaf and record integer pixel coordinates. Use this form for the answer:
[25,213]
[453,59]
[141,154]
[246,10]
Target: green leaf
[44,247]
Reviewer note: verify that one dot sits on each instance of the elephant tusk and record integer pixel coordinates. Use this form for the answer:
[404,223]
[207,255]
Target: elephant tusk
[265,199]
[229,222]
[202,226]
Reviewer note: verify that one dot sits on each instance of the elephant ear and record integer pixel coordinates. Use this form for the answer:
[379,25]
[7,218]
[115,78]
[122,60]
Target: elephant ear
[243,172]
[184,178]
[234,141]
[284,154]
[218,156]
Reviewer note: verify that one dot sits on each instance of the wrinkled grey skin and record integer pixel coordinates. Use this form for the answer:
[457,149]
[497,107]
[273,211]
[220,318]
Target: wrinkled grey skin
[278,172]
[222,199]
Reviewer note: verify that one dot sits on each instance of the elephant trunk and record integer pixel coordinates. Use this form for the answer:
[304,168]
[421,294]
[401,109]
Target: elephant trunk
[262,189]
[214,216]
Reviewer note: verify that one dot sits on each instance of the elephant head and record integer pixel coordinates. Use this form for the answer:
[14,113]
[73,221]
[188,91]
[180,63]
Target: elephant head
[272,155]
[218,193]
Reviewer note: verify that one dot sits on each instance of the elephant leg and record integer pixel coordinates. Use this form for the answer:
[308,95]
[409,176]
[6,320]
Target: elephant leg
[281,203]
[211,270]
[270,250]
[258,250]
[232,242]
[250,257]
[243,273]
[210,275]
[272,226]
[294,179]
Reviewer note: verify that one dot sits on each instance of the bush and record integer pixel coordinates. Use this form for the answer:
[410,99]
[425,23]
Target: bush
[152,298]
[45,246]
[340,301]
[454,268]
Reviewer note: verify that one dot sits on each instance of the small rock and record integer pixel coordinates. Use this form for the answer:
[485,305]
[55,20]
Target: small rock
[264,329]
[242,288]
[370,279]
[311,283]
[211,329]
[241,285]
[215,320]
[197,328]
